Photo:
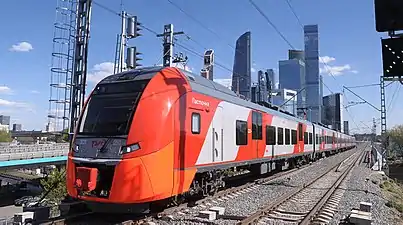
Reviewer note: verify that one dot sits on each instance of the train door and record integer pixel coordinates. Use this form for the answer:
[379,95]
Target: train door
[314,139]
[218,135]
[257,132]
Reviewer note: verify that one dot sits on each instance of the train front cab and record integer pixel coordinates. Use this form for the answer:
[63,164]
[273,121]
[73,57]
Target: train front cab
[123,150]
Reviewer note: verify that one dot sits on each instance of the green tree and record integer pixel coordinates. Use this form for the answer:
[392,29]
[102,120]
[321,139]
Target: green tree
[65,136]
[55,186]
[5,136]
[396,138]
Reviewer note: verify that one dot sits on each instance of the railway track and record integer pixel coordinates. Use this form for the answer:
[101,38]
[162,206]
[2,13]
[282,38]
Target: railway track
[235,190]
[314,203]
[100,219]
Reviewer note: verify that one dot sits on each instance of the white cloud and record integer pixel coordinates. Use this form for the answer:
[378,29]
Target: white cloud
[34,92]
[252,70]
[333,69]
[100,71]
[5,90]
[227,82]
[21,47]
[6,103]
[326,59]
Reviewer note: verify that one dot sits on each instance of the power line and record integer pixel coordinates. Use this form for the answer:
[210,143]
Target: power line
[393,97]
[271,23]
[156,33]
[293,12]
[201,24]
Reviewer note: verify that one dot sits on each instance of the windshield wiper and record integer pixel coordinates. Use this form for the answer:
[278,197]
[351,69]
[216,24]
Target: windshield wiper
[103,148]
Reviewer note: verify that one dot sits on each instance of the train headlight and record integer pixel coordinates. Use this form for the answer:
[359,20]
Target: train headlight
[129,148]
[76,148]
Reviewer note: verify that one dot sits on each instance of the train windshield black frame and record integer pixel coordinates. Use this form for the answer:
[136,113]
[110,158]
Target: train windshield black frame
[111,107]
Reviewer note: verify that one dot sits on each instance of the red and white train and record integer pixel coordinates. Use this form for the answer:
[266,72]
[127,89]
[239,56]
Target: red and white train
[156,133]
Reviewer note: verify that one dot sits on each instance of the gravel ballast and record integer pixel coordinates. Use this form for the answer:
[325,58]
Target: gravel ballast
[358,182]
[249,202]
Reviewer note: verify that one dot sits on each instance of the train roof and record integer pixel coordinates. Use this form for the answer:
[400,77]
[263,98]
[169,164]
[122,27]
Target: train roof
[203,86]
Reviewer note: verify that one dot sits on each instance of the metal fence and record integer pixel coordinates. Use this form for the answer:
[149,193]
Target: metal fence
[33,148]
[6,221]
[19,152]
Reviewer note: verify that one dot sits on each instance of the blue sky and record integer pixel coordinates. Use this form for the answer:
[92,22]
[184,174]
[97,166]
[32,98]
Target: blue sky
[347,39]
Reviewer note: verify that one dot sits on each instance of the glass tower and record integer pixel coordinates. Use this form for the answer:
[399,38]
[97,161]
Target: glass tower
[241,77]
[292,77]
[312,80]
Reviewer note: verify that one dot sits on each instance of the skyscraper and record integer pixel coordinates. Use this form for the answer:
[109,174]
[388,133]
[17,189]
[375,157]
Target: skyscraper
[241,77]
[17,127]
[296,54]
[345,126]
[320,85]
[262,86]
[271,79]
[312,80]
[4,120]
[333,111]
[292,77]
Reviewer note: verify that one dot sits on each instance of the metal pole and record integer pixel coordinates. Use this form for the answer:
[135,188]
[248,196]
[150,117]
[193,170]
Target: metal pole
[122,42]
[168,37]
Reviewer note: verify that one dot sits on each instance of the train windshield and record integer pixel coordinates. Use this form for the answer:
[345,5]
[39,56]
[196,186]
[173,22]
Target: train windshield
[110,108]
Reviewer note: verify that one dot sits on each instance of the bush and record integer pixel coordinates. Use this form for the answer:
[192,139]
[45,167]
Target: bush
[5,136]
[55,186]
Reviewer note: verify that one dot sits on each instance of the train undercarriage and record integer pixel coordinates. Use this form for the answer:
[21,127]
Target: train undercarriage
[208,183]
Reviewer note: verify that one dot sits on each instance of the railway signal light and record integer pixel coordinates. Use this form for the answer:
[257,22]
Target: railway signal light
[133,27]
[388,15]
[132,59]
[392,57]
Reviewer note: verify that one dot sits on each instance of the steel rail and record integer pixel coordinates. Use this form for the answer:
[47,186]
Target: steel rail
[271,206]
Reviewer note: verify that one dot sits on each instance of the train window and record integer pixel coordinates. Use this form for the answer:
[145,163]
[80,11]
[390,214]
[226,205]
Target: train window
[287,139]
[270,135]
[196,123]
[317,139]
[293,137]
[241,132]
[280,136]
[310,138]
[256,126]
[300,132]
[306,138]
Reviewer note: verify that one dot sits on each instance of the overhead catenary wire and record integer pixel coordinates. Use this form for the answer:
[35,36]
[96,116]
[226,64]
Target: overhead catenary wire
[156,33]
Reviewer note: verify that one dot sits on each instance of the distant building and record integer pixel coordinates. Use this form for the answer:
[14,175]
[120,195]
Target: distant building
[241,77]
[4,128]
[271,80]
[333,111]
[296,54]
[261,87]
[280,96]
[292,77]
[320,85]
[345,127]
[312,79]
[17,127]
[4,120]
